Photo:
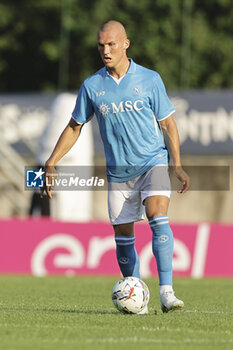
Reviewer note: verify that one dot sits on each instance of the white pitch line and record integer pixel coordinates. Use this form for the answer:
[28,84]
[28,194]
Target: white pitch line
[34,326]
[207,312]
[177,330]
[158,341]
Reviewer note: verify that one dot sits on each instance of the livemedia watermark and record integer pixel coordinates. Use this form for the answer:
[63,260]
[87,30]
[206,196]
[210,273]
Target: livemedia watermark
[96,178]
[63,179]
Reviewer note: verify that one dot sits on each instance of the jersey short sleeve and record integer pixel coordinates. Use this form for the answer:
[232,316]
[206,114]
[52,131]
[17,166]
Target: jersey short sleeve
[83,110]
[161,104]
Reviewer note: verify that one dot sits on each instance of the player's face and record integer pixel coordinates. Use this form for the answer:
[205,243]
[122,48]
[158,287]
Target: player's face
[112,47]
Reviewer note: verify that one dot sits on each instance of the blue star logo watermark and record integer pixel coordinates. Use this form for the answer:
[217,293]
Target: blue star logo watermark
[34,178]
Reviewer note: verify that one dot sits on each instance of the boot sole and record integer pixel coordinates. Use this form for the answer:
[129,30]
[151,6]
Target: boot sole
[177,306]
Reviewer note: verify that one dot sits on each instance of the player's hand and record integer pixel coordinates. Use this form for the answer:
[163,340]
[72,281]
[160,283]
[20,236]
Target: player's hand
[49,181]
[183,177]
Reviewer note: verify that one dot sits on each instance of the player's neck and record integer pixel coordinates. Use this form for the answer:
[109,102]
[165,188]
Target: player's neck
[120,70]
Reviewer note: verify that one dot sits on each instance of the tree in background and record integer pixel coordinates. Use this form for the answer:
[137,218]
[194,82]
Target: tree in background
[46,45]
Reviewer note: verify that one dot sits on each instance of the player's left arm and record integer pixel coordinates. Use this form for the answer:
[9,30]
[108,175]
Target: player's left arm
[171,135]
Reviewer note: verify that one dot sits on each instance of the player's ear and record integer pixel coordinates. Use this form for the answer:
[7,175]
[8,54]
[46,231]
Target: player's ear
[126,44]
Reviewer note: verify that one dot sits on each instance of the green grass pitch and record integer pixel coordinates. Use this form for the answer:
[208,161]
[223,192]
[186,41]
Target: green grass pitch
[77,313]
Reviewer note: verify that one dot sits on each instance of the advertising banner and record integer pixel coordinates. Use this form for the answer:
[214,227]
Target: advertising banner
[44,247]
[205,121]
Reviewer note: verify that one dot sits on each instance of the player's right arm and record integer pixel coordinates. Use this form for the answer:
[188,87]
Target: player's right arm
[65,142]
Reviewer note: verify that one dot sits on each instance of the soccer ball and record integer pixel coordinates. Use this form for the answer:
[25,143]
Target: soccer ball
[130,295]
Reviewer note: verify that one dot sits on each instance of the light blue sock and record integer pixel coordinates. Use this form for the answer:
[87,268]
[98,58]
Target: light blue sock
[162,245]
[127,256]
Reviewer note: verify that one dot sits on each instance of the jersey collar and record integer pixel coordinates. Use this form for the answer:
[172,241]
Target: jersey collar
[132,68]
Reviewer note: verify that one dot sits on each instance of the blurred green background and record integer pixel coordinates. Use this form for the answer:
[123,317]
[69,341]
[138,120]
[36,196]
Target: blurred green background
[50,45]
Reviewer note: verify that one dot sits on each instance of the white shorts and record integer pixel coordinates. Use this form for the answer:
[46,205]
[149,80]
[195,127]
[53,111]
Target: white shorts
[125,199]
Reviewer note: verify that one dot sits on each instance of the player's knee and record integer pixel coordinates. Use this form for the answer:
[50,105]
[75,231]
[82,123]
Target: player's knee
[124,229]
[158,211]
[156,206]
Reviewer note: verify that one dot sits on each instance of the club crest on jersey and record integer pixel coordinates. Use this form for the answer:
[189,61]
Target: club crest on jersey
[137,90]
[123,106]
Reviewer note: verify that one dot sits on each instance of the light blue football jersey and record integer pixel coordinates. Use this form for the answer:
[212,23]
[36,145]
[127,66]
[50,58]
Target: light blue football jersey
[128,115]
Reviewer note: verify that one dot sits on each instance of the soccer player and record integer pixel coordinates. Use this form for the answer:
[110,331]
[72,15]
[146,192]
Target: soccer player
[133,113]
